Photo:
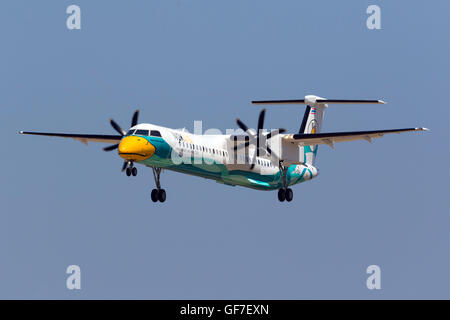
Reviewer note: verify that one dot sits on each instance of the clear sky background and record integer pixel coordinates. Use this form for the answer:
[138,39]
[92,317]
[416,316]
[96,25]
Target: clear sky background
[63,203]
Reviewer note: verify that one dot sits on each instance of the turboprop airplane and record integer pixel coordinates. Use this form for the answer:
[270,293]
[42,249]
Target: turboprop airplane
[261,160]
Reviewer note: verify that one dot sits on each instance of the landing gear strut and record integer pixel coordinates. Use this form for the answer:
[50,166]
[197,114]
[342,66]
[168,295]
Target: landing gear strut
[158,194]
[131,170]
[284,193]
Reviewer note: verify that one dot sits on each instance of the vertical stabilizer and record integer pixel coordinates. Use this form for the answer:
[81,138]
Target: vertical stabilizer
[311,123]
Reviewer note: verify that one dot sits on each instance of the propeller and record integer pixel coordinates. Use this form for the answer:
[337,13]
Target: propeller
[122,132]
[256,137]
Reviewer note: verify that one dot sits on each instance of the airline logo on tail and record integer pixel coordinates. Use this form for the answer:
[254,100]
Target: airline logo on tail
[312,126]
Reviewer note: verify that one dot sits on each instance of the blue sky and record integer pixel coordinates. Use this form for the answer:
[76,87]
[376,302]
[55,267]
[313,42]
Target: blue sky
[63,203]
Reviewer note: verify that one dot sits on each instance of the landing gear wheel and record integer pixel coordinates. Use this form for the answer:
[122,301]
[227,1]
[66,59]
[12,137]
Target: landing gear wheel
[134,171]
[289,194]
[154,195]
[128,171]
[282,194]
[162,195]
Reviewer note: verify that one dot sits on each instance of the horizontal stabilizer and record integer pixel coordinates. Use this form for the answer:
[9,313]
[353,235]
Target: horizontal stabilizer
[319,101]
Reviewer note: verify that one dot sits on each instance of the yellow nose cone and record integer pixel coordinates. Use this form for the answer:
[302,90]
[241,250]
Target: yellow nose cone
[135,148]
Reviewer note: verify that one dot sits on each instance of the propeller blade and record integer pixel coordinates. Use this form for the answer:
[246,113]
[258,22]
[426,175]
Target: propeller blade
[117,127]
[260,127]
[261,119]
[275,132]
[110,148]
[241,125]
[253,160]
[240,146]
[125,165]
[134,120]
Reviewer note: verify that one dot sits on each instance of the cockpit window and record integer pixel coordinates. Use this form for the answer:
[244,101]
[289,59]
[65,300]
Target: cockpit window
[155,133]
[141,132]
[129,133]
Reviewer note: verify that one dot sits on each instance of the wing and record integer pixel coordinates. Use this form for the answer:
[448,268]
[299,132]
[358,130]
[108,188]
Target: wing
[332,137]
[84,138]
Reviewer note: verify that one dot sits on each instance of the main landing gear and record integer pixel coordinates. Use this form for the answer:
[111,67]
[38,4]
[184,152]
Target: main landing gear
[158,194]
[284,193]
[131,170]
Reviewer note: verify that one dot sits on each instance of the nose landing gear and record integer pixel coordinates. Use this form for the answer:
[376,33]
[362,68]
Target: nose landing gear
[131,170]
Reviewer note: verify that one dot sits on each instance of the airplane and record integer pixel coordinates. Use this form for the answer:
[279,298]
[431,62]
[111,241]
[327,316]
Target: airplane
[260,160]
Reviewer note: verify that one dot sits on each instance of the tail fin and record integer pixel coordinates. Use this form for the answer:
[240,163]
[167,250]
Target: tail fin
[313,118]
[311,123]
